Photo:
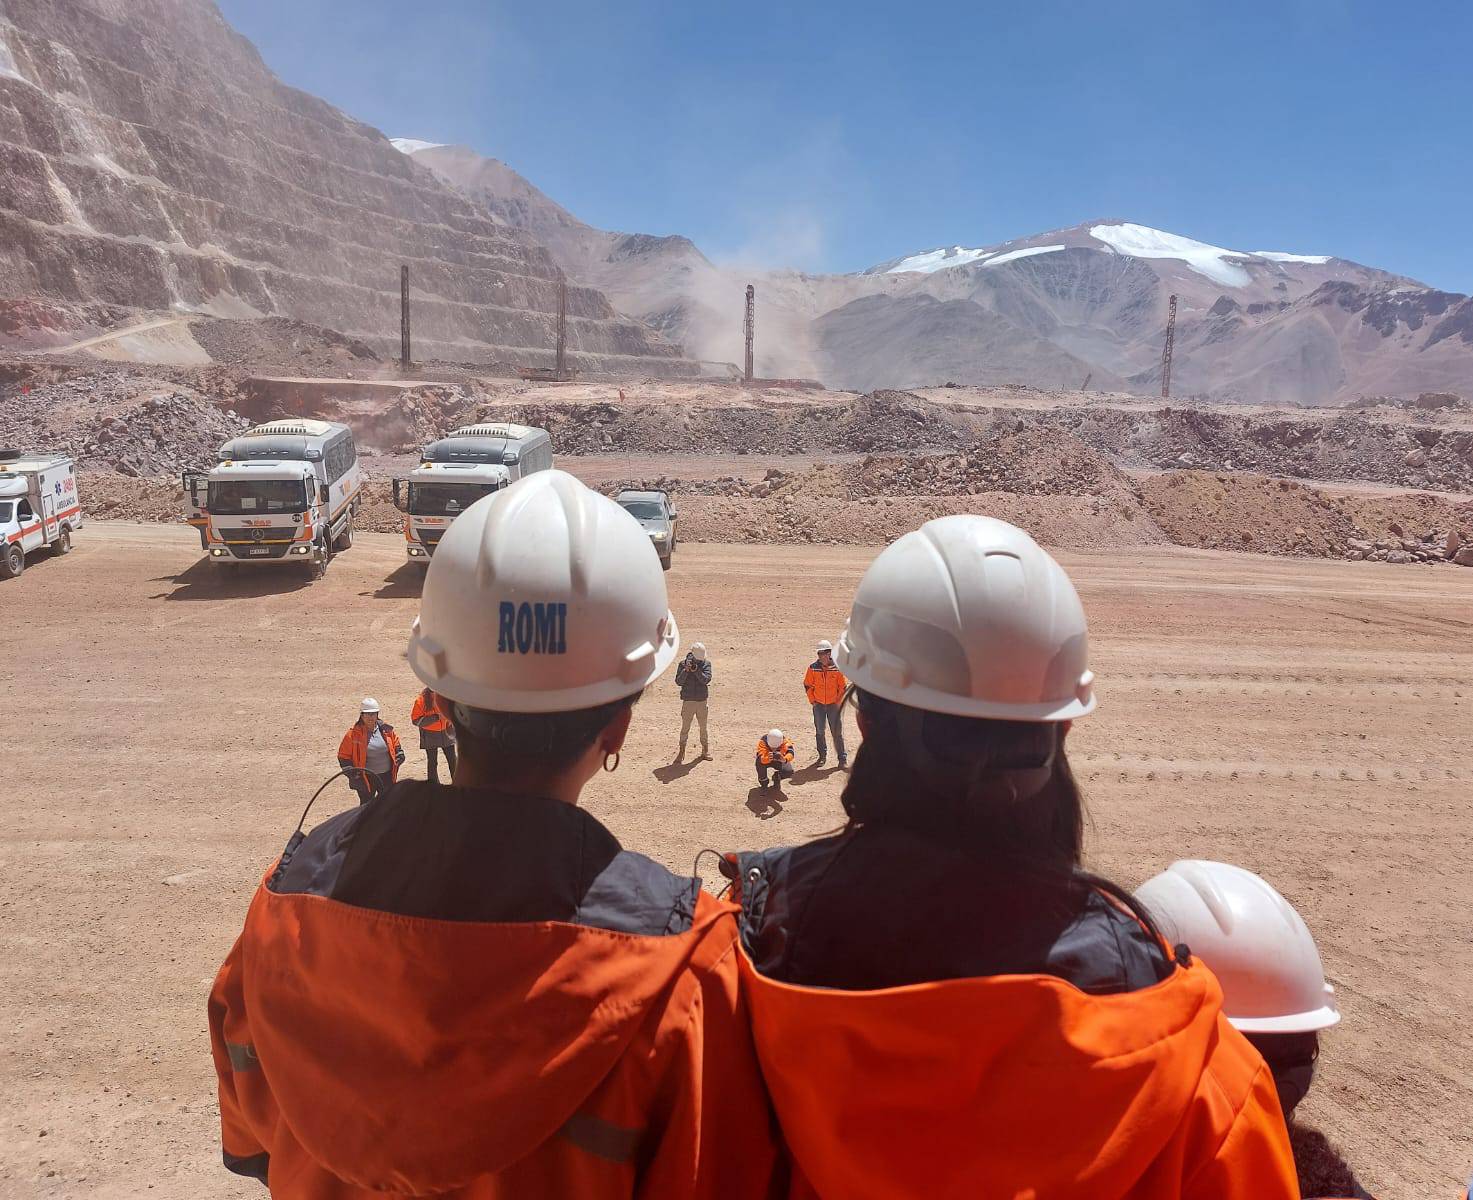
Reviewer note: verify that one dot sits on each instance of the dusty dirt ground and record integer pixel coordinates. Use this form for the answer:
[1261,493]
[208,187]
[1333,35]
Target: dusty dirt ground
[1306,719]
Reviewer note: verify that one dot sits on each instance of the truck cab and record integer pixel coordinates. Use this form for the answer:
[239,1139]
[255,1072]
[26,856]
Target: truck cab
[39,507]
[655,512]
[457,470]
[435,493]
[286,491]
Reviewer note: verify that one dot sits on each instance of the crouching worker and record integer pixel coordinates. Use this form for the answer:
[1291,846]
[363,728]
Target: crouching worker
[945,1003]
[775,755]
[480,993]
[1273,987]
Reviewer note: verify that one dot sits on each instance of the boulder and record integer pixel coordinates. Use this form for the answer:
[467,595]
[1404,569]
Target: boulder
[1464,557]
[1398,556]
[1454,541]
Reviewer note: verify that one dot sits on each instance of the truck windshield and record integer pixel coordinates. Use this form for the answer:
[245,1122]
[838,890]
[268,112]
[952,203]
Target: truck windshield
[6,507]
[258,496]
[645,510]
[445,499]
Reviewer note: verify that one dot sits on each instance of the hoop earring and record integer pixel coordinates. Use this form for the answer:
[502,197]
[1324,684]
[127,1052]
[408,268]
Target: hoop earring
[615,757]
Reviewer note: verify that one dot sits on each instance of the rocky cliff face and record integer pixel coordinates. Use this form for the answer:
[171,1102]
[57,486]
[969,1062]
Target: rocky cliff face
[150,161]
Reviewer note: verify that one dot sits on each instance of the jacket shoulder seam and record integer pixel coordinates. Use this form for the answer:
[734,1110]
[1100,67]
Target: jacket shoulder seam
[1240,1106]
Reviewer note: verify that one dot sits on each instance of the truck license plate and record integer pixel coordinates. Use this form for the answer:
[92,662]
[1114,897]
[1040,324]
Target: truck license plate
[261,550]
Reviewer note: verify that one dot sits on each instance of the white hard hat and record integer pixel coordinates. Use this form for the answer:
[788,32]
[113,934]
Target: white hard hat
[970,616]
[699,650]
[543,597]
[775,738]
[825,645]
[369,705]
[1253,941]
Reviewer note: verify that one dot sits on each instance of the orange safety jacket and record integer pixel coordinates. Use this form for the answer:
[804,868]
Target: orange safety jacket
[429,712]
[363,1049]
[766,753]
[1017,1085]
[353,750]
[824,686]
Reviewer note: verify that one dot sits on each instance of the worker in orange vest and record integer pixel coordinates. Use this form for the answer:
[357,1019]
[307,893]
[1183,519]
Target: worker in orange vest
[944,1001]
[775,755]
[478,992]
[436,733]
[370,752]
[824,685]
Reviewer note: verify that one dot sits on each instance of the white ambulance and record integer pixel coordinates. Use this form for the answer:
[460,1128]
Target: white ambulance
[457,470]
[39,507]
[283,492]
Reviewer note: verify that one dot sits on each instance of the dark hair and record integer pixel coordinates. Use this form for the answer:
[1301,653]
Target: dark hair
[1001,790]
[503,740]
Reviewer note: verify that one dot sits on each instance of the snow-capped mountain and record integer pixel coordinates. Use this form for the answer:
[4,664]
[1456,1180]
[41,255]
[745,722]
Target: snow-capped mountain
[1051,309]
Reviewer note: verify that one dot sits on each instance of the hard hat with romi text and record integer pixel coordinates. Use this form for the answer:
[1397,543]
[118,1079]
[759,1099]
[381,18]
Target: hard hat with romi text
[369,705]
[969,616]
[1251,938]
[543,597]
[775,739]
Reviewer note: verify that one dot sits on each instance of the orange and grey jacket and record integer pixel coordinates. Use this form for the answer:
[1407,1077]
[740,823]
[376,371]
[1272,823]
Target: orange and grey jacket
[542,1014]
[824,686]
[431,717]
[1105,1072]
[766,754]
[353,750]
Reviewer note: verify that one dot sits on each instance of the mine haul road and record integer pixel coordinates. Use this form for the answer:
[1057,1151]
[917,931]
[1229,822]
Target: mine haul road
[1309,720]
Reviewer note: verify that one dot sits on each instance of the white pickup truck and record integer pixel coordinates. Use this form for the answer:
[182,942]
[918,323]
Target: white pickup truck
[39,507]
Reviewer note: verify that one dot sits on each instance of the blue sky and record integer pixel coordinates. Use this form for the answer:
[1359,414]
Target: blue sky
[832,136]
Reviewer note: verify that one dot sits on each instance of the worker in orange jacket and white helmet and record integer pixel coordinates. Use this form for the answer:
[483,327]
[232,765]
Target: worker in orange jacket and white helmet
[474,990]
[945,1003]
[1273,986]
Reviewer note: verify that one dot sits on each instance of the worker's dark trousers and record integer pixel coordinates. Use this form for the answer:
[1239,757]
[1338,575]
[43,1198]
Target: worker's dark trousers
[782,770]
[831,715]
[367,787]
[433,754]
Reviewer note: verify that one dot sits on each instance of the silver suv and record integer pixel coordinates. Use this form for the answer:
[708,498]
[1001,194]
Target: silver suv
[656,514]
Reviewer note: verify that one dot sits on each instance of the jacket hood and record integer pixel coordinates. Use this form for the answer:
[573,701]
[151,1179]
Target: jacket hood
[1018,1085]
[412,1055]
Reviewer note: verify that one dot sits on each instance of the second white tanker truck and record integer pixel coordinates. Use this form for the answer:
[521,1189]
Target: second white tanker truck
[456,471]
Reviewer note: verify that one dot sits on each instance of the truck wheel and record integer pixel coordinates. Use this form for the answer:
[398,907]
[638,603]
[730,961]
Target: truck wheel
[344,540]
[63,543]
[13,562]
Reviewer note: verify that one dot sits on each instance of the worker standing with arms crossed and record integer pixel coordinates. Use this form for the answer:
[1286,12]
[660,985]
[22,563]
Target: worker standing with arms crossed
[478,992]
[370,752]
[824,684]
[945,1002]
[436,733]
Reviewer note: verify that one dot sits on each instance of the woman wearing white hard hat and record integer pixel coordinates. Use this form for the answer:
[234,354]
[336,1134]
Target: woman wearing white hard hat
[474,990]
[1273,986]
[945,1003]
[370,752]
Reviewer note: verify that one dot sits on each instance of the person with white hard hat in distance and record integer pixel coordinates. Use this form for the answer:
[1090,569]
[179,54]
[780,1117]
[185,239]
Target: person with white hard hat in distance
[945,1002]
[774,754]
[370,752]
[693,678]
[824,685]
[1273,987]
[473,990]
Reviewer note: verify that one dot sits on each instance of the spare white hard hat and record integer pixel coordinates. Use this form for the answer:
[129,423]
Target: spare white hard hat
[970,616]
[1252,939]
[543,597]
[775,738]
[699,650]
[825,645]
[369,705]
